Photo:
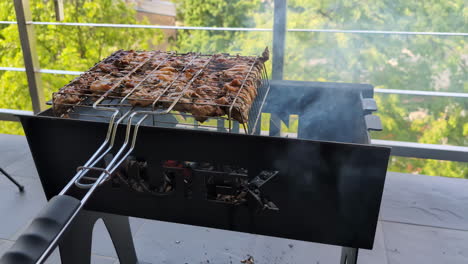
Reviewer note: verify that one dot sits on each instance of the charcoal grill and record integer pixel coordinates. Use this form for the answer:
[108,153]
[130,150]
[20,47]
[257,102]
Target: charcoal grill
[323,186]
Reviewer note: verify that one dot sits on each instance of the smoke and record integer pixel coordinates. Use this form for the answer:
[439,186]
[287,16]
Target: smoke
[327,111]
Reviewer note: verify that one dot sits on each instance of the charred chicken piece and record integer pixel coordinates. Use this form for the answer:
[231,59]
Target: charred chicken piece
[226,82]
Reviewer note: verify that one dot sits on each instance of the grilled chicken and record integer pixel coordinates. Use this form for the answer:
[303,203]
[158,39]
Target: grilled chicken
[202,85]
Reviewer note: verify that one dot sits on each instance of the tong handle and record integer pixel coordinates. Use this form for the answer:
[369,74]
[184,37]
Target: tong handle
[37,242]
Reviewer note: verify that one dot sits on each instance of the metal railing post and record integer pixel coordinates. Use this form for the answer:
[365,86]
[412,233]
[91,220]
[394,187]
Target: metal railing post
[31,61]
[58,5]
[279,36]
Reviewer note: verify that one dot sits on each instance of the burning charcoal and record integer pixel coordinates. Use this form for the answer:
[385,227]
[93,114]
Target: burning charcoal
[135,186]
[190,164]
[226,168]
[225,198]
[242,195]
[206,166]
[240,171]
[170,164]
[265,175]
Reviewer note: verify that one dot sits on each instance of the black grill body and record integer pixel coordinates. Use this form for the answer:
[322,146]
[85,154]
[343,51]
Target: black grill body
[329,183]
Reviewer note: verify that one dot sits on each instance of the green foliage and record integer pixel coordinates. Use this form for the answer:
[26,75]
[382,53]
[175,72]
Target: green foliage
[413,62]
[429,167]
[65,47]
[393,62]
[212,13]
[208,13]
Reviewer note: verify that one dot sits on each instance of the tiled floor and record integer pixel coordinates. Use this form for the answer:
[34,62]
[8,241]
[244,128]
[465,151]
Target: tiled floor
[423,220]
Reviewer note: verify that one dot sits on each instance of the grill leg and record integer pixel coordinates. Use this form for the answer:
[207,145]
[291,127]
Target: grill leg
[349,255]
[75,247]
[121,235]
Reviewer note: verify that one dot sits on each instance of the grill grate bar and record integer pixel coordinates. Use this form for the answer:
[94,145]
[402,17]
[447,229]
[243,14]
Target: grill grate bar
[186,87]
[153,104]
[117,84]
[257,106]
[146,77]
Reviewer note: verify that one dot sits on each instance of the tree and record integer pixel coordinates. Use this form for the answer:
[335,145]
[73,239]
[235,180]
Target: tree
[390,61]
[212,13]
[65,47]
[415,62]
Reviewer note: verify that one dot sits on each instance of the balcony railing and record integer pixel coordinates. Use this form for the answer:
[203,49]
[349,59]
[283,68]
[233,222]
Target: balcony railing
[404,149]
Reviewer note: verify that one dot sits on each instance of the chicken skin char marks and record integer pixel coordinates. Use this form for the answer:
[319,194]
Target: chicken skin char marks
[97,80]
[205,86]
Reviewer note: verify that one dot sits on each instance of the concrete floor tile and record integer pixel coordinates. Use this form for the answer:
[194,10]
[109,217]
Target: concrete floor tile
[425,200]
[161,242]
[24,167]
[378,253]
[12,149]
[102,243]
[96,259]
[5,245]
[54,258]
[422,245]
[17,209]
